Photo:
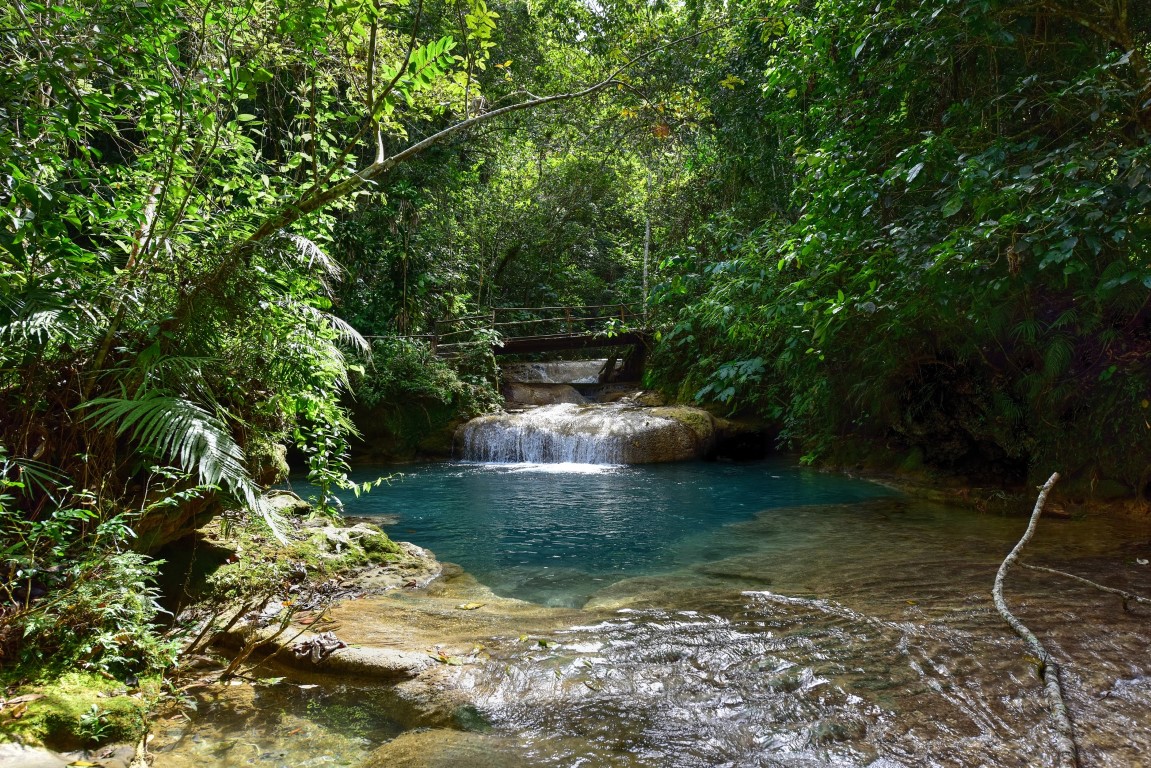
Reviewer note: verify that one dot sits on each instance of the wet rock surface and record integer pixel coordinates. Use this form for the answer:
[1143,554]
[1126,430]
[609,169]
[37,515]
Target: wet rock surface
[14,755]
[21,756]
[518,395]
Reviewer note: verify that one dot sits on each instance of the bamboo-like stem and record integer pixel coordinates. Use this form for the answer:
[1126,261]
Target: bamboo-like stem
[1048,670]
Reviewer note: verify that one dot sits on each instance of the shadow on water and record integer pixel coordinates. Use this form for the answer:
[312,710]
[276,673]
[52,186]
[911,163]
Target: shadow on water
[281,723]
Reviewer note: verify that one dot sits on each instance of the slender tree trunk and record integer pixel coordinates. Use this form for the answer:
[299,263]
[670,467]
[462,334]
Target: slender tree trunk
[646,243]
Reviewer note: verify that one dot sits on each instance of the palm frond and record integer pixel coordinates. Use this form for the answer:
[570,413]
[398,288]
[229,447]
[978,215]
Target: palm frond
[39,477]
[188,434]
[37,326]
[39,313]
[316,258]
[181,430]
[342,328]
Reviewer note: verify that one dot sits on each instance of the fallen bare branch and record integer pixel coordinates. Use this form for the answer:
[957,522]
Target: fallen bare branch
[1048,669]
[1127,596]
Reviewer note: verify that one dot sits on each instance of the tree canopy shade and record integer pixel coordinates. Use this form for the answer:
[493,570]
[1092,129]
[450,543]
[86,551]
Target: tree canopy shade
[164,163]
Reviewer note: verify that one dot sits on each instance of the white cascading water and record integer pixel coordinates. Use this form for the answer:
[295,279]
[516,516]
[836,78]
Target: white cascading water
[564,433]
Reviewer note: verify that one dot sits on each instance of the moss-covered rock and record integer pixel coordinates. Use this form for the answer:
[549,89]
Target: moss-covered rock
[79,710]
[700,422]
[268,462]
[255,563]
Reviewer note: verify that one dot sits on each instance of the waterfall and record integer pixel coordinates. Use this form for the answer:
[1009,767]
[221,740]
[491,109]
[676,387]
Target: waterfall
[616,433]
[551,434]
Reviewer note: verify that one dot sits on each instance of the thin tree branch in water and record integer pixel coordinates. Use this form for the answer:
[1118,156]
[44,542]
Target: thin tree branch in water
[1127,596]
[1048,668]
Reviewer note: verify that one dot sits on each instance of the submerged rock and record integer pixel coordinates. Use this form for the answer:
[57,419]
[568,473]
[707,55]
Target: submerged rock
[601,434]
[445,748]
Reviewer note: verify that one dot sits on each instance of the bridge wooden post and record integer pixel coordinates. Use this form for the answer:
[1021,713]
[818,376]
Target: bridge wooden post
[568,317]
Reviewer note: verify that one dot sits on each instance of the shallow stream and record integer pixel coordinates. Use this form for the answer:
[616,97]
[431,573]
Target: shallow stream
[731,615]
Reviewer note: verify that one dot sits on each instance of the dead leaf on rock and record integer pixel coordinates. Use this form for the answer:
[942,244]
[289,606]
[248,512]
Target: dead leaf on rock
[19,703]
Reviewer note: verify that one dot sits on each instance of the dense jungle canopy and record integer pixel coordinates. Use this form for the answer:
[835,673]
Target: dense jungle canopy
[921,226]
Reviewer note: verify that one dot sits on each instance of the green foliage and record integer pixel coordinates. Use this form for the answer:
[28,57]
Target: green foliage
[409,395]
[404,370]
[157,307]
[67,580]
[953,250]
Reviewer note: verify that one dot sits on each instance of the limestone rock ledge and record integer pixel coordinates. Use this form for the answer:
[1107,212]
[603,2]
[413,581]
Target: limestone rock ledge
[13,755]
[380,664]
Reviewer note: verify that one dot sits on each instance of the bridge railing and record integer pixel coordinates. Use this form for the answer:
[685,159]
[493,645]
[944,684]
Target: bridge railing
[455,334]
[530,322]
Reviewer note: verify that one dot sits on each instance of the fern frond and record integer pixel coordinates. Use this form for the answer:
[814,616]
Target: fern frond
[1027,330]
[1067,319]
[1057,358]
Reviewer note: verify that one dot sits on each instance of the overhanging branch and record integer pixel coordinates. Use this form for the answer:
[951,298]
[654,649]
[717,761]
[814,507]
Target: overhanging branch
[316,199]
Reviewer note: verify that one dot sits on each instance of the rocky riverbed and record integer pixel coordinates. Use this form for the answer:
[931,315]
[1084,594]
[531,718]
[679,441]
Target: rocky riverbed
[411,631]
[871,643]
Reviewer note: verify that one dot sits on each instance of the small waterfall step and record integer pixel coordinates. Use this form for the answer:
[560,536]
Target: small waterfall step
[588,434]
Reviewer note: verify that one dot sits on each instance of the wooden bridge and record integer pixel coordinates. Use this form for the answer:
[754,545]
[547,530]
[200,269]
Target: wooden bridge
[527,330]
